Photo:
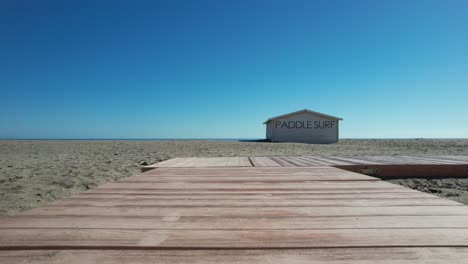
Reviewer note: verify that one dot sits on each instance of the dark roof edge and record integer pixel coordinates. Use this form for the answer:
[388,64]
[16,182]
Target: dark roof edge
[302,111]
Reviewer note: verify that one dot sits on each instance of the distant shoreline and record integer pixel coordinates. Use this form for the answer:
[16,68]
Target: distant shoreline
[216,139]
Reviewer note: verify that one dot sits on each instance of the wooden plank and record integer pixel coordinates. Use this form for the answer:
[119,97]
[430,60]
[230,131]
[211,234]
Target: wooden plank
[282,162]
[263,162]
[324,161]
[172,222]
[258,212]
[332,161]
[257,178]
[355,160]
[140,202]
[289,161]
[318,175]
[305,185]
[239,162]
[247,171]
[219,209]
[423,171]
[393,160]
[255,196]
[314,160]
[229,239]
[302,162]
[298,162]
[431,160]
[205,162]
[249,191]
[394,255]
[222,162]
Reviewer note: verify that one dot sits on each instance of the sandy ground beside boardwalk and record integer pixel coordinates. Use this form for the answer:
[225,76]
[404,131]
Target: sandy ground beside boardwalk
[33,173]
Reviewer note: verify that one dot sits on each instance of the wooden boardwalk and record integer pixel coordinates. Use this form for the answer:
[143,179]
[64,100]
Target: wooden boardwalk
[244,210]
[381,166]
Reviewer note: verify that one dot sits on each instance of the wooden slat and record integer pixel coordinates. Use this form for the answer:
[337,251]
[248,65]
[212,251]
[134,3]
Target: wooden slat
[431,160]
[205,162]
[414,170]
[233,223]
[304,185]
[258,212]
[394,255]
[139,202]
[323,161]
[332,161]
[284,163]
[403,191]
[255,196]
[240,179]
[355,160]
[303,161]
[303,212]
[230,239]
[263,162]
[392,160]
[232,171]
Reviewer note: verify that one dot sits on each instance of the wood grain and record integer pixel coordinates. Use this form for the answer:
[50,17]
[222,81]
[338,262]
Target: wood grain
[220,210]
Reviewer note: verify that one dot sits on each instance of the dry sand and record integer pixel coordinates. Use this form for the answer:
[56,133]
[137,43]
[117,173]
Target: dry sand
[33,173]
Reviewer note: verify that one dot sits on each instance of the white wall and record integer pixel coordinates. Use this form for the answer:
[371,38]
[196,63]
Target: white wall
[304,127]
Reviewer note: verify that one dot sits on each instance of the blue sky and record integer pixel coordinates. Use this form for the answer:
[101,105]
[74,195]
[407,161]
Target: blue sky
[218,69]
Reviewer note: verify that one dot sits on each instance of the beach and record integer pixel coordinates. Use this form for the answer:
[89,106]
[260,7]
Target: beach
[36,172]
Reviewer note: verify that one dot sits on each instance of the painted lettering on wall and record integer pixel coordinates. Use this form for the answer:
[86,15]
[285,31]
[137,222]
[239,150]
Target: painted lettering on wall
[308,124]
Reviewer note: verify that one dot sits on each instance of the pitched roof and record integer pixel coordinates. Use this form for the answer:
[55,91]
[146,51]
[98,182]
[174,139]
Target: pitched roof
[303,111]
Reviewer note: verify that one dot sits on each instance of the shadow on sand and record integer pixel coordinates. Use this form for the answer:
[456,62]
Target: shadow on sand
[254,140]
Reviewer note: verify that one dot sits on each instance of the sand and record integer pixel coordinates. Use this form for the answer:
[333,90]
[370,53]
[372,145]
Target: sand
[33,173]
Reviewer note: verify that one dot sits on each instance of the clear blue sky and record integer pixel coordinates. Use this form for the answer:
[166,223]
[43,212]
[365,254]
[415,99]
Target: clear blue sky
[218,69]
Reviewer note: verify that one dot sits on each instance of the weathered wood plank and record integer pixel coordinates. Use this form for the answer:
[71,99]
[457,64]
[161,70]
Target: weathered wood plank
[252,171]
[433,160]
[263,162]
[392,160]
[255,196]
[355,160]
[398,255]
[253,185]
[403,191]
[204,162]
[259,212]
[300,162]
[171,222]
[139,202]
[240,179]
[306,161]
[239,162]
[284,163]
[325,161]
[230,239]
[340,216]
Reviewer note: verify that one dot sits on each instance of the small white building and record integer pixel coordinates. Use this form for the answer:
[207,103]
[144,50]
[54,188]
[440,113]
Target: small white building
[303,126]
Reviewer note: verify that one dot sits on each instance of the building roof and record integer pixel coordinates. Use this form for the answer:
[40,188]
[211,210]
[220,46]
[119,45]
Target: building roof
[302,111]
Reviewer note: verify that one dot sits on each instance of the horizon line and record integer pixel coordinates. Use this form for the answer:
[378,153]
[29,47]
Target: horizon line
[227,139]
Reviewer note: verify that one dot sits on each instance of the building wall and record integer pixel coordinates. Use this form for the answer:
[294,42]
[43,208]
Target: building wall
[269,130]
[304,127]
